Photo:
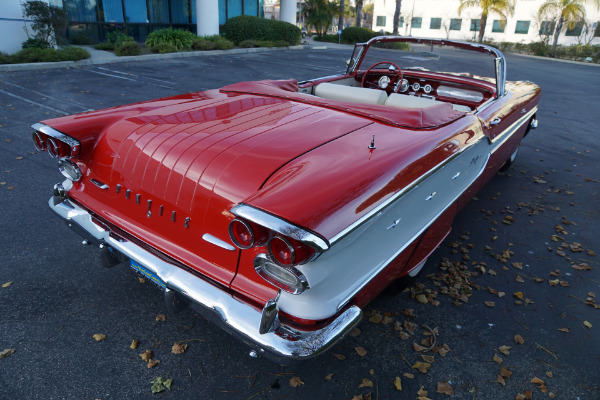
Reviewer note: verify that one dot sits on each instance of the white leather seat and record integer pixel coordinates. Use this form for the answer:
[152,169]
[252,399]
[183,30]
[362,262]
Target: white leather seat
[407,101]
[352,94]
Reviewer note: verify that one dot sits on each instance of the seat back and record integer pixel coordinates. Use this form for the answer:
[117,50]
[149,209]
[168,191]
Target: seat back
[352,94]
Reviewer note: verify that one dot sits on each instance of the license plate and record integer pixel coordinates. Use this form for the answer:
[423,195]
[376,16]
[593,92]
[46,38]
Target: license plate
[147,273]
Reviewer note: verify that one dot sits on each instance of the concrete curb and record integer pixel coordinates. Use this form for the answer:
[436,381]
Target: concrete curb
[591,64]
[113,60]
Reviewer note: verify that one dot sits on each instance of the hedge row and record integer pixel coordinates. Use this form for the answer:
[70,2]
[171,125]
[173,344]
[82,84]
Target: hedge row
[245,27]
[35,54]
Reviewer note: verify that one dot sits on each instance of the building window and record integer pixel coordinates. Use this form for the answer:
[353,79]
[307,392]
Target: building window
[522,27]
[400,22]
[180,11]
[250,7]
[234,8]
[498,26]
[112,10]
[415,22]
[576,31]
[546,27]
[455,24]
[475,23]
[135,11]
[380,21]
[435,23]
[82,10]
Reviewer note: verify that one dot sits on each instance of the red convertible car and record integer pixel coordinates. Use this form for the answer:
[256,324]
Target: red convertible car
[279,209]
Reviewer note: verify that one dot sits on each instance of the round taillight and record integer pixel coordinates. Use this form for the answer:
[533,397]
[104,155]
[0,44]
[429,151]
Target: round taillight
[53,148]
[281,251]
[69,169]
[241,234]
[38,141]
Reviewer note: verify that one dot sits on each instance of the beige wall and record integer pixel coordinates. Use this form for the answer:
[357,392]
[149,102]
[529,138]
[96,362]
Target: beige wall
[12,24]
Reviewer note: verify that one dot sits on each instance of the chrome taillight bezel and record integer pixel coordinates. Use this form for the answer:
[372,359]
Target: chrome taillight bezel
[38,141]
[69,169]
[289,246]
[53,147]
[296,282]
[235,240]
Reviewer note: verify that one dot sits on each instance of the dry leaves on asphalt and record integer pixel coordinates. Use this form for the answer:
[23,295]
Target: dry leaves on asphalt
[147,355]
[398,383]
[445,388]
[161,317]
[99,337]
[134,344]
[360,351]
[505,350]
[519,339]
[7,284]
[296,382]
[159,384]
[153,363]
[179,348]
[6,352]
[366,383]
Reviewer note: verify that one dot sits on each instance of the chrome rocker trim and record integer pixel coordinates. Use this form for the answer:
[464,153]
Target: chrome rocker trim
[279,343]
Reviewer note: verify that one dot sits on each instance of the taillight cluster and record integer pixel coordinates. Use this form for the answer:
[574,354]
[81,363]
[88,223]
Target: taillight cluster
[284,251]
[283,254]
[57,144]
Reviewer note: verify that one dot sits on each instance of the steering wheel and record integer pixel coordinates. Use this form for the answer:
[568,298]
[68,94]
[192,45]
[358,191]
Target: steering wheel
[397,74]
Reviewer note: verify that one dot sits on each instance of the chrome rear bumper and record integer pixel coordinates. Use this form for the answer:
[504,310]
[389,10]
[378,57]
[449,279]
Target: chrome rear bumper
[280,343]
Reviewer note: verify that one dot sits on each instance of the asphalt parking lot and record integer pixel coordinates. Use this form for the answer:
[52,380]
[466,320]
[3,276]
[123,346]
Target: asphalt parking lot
[528,243]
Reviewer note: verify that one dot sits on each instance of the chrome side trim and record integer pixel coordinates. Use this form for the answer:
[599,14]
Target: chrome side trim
[236,317]
[49,131]
[508,132]
[382,266]
[280,226]
[217,242]
[392,199]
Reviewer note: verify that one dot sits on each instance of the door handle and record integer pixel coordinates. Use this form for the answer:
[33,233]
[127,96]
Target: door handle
[495,121]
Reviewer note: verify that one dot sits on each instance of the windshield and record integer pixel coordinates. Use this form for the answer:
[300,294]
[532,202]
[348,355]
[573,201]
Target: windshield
[430,56]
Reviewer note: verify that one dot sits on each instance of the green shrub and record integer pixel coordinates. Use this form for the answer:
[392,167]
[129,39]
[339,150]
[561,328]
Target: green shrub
[244,27]
[538,49]
[223,44]
[181,39]
[246,44]
[73,54]
[33,43]
[4,58]
[327,38]
[393,45]
[105,46]
[355,34]
[162,48]
[203,44]
[128,49]
[117,38]
[81,38]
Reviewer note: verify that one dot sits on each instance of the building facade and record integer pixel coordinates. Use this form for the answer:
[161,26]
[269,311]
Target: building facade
[138,18]
[440,19]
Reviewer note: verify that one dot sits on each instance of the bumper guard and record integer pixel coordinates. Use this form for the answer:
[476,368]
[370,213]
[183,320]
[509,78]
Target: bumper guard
[279,343]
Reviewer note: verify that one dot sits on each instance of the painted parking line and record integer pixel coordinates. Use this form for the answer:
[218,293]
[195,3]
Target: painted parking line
[92,70]
[135,75]
[56,110]
[78,105]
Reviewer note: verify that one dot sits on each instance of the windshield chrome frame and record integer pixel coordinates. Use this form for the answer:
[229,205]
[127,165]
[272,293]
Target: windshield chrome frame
[499,61]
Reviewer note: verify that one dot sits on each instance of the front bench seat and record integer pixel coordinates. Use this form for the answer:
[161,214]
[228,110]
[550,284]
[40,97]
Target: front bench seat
[351,94]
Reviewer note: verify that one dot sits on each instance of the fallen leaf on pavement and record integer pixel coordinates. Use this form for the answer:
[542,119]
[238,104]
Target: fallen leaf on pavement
[339,356]
[519,339]
[500,380]
[417,347]
[408,375]
[160,384]
[366,383]
[161,317]
[519,279]
[490,304]
[429,359]
[505,373]
[537,381]
[6,352]
[549,374]
[153,363]
[586,323]
[360,351]
[134,344]
[398,383]
[147,355]
[99,337]
[445,388]
[7,284]
[328,376]
[519,295]
[497,359]
[566,330]
[179,348]
[295,381]
[505,350]
[422,367]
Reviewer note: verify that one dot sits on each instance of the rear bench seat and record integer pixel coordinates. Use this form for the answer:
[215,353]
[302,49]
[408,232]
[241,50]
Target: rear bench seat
[405,101]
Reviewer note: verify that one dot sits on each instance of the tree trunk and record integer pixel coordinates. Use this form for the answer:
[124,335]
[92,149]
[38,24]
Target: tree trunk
[341,18]
[482,24]
[397,16]
[561,21]
[359,6]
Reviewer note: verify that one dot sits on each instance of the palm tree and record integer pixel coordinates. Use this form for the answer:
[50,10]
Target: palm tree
[500,7]
[319,14]
[341,18]
[359,7]
[396,17]
[569,11]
